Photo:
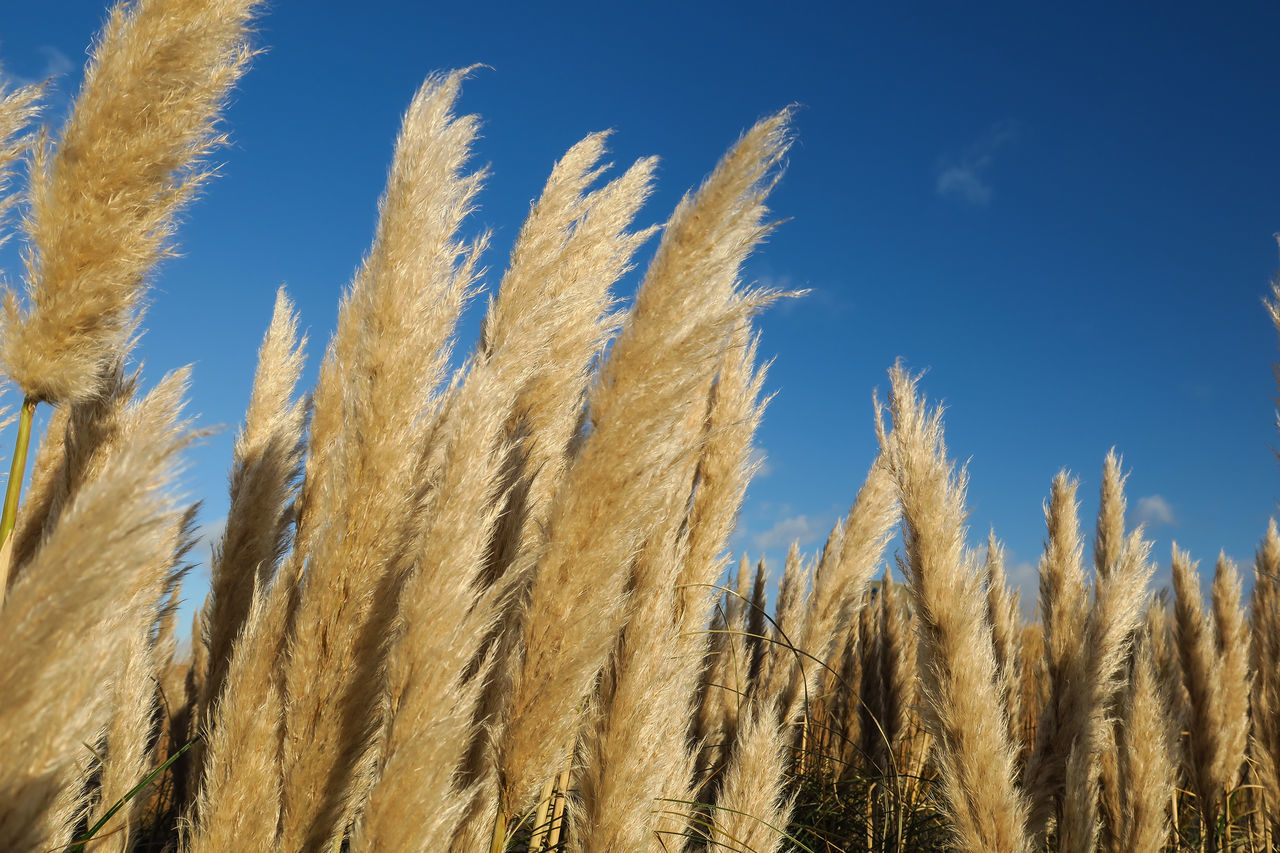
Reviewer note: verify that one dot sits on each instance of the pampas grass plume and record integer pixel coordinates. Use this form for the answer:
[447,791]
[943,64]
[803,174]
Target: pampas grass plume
[104,201]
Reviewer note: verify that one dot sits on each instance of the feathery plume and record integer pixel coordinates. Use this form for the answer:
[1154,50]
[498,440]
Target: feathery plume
[77,441]
[840,586]
[128,755]
[962,706]
[753,810]
[68,623]
[726,678]
[652,675]
[1264,619]
[1231,669]
[360,502]
[897,666]
[871,693]
[104,203]
[1146,752]
[655,664]
[1006,633]
[1208,758]
[1109,539]
[18,106]
[724,470]
[683,317]
[780,681]
[847,706]
[1117,613]
[1064,609]
[238,801]
[266,463]
[570,251]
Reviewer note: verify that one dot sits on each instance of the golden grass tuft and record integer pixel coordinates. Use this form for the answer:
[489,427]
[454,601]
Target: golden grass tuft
[103,201]
[69,623]
[963,710]
[668,350]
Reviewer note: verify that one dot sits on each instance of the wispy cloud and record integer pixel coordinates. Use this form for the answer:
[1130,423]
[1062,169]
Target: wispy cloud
[963,175]
[804,529]
[207,536]
[1154,510]
[760,459]
[1024,577]
[56,64]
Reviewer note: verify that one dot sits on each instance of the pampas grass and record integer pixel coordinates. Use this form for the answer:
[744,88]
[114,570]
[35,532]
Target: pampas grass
[70,623]
[665,355]
[1216,686]
[103,201]
[265,467]
[361,502]
[490,606]
[1147,766]
[963,709]
[650,685]
[18,106]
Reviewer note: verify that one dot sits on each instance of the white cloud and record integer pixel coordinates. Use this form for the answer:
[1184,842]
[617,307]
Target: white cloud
[56,64]
[1154,510]
[802,528]
[1025,575]
[965,182]
[759,458]
[963,175]
[208,535]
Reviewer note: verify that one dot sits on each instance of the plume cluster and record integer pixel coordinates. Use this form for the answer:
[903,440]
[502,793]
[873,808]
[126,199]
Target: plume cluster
[491,606]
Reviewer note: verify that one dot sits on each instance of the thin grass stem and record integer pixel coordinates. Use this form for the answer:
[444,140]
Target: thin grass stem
[78,847]
[13,493]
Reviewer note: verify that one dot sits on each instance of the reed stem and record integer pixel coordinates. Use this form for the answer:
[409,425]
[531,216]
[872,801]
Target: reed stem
[13,493]
[557,811]
[540,826]
[499,841]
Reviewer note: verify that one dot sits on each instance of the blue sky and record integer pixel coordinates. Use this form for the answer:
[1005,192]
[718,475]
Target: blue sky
[1064,213]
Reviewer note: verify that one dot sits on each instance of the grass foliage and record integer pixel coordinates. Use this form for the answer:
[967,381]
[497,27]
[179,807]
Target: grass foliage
[491,609]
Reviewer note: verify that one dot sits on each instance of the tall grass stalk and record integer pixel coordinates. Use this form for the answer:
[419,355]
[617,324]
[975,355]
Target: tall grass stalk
[976,759]
[361,502]
[669,348]
[103,202]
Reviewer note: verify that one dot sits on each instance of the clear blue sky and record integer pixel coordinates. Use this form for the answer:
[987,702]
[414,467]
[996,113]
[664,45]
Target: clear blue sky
[1064,212]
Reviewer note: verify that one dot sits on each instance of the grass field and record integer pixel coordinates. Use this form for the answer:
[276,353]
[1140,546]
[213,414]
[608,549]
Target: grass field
[493,608]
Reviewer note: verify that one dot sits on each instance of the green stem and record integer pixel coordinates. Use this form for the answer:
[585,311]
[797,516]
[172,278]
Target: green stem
[17,470]
[78,846]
